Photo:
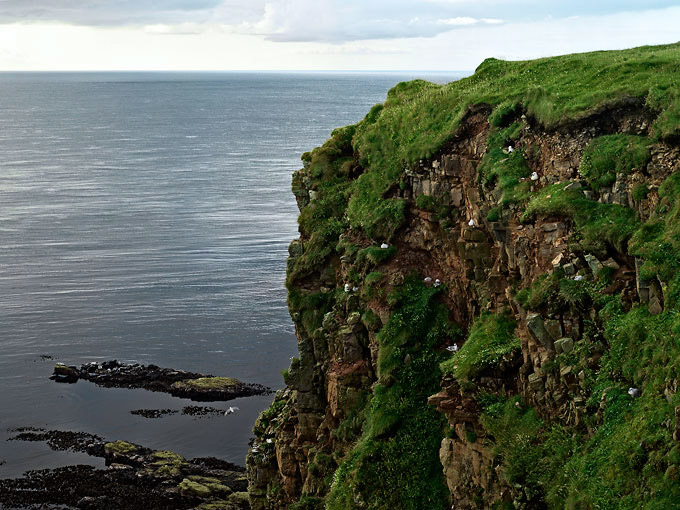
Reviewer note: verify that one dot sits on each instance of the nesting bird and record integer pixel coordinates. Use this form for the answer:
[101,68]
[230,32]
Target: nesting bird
[510,149]
[437,282]
[384,246]
[348,287]
[452,348]
[471,223]
[634,392]
[427,279]
[534,176]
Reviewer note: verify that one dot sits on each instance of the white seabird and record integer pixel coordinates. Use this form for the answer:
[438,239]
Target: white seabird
[471,223]
[510,149]
[384,246]
[437,282]
[427,279]
[354,289]
[534,176]
[452,348]
[230,410]
[348,288]
[634,392]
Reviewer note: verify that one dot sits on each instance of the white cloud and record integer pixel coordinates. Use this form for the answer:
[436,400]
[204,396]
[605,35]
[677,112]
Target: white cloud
[336,21]
[215,45]
[460,21]
[466,21]
[180,29]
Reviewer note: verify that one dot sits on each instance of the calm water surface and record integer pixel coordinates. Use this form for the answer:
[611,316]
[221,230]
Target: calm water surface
[146,217]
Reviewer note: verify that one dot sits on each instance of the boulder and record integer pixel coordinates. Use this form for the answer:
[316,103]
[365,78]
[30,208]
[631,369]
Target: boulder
[564,345]
[65,374]
[594,264]
[536,327]
[536,382]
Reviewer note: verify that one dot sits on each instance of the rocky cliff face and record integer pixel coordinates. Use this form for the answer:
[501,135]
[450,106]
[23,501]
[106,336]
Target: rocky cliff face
[512,344]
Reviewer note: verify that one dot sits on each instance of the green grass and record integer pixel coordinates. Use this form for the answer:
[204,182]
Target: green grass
[506,170]
[322,220]
[373,278]
[609,155]
[598,225]
[308,309]
[640,191]
[390,441]
[208,383]
[628,460]
[554,293]
[426,203]
[490,340]
[395,462]
[418,118]
[539,293]
[657,242]
[308,503]
[374,256]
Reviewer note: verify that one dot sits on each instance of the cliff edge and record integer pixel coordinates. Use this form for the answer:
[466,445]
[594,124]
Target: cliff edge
[485,293]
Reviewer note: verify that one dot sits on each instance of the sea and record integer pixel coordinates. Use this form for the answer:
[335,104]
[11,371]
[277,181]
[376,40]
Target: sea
[145,217]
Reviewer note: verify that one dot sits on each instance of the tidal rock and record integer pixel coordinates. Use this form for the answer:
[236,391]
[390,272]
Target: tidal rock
[179,383]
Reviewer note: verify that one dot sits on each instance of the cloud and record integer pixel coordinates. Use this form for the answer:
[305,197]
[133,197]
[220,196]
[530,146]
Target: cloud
[332,21]
[463,21]
[354,20]
[180,29]
[58,46]
[118,13]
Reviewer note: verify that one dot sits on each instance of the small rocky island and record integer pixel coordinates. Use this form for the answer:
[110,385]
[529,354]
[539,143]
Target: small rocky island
[179,383]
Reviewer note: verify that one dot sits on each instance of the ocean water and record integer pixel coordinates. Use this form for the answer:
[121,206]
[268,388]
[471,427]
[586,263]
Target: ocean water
[146,217]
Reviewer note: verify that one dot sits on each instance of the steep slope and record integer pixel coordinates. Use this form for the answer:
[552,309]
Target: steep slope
[485,293]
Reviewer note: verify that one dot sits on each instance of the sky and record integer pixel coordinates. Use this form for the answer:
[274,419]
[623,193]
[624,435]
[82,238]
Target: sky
[445,35]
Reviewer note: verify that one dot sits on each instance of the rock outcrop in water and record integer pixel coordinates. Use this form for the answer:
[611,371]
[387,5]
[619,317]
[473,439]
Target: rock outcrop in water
[485,273]
[136,478]
[179,383]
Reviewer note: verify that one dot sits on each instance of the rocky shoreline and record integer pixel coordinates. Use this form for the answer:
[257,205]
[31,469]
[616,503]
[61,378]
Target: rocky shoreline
[136,478]
[178,383]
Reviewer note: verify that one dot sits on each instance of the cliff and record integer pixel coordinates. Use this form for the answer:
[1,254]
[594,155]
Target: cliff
[485,293]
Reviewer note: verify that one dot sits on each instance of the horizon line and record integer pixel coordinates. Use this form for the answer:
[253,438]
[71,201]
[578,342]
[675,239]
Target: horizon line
[235,71]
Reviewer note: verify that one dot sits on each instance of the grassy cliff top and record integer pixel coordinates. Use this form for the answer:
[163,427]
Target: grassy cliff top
[418,118]
[626,458]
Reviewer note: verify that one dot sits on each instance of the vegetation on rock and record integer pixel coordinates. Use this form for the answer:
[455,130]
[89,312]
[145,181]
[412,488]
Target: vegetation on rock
[394,463]
[490,340]
[589,419]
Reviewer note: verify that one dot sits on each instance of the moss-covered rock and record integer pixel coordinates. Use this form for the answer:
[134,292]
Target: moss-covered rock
[203,487]
[208,383]
[121,447]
